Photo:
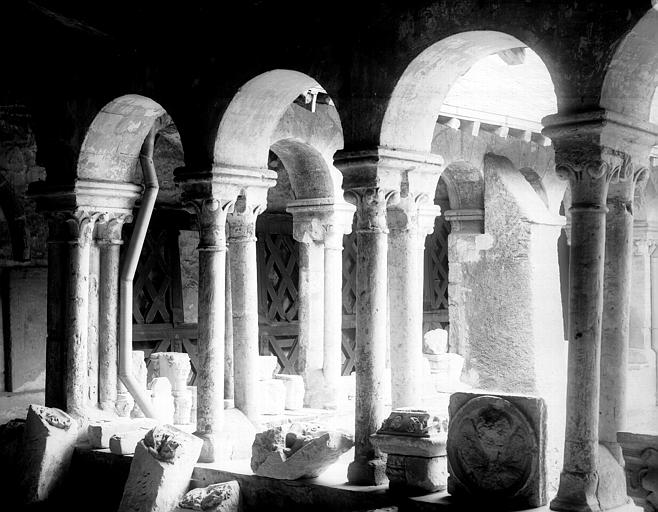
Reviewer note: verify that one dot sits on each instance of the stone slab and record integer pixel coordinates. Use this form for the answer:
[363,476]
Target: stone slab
[101,431]
[48,443]
[497,449]
[160,471]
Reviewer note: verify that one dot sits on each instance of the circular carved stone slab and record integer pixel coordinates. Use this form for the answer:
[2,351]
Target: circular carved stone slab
[492,448]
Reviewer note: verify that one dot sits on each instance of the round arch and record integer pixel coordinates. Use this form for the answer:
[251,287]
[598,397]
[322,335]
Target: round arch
[630,83]
[244,136]
[115,136]
[421,90]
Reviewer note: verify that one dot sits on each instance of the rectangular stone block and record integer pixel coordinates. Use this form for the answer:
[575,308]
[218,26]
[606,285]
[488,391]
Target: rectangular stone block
[497,450]
[160,471]
[49,440]
[101,431]
[124,443]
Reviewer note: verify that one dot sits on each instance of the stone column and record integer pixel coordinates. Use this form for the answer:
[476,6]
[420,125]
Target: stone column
[654,309]
[244,287]
[80,225]
[318,226]
[92,325]
[406,244]
[589,167]
[210,370]
[333,301]
[371,324]
[228,336]
[109,241]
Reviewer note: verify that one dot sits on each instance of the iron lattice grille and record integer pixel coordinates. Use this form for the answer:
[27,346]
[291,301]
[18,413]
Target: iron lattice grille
[278,277]
[435,290]
[158,324]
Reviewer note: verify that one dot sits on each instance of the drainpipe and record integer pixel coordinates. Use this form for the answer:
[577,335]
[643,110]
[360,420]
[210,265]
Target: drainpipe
[128,273]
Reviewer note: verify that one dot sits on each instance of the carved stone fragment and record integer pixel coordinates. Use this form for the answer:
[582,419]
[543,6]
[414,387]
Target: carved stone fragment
[49,439]
[222,497]
[641,466]
[300,452]
[101,431]
[496,449]
[160,471]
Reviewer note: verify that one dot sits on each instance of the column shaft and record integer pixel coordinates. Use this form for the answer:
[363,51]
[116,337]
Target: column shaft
[93,325]
[244,286]
[311,321]
[108,323]
[76,328]
[228,336]
[615,324]
[333,319]
[406,316]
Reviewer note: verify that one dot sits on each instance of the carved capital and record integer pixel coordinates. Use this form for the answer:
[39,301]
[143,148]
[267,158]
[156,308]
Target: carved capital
[109,228]
[413,213]
[321,220]
[371,204]
[242,219]
[212,214]
[73,226]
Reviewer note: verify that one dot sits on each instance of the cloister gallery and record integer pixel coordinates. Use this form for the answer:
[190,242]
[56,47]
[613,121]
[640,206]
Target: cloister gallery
[374,255]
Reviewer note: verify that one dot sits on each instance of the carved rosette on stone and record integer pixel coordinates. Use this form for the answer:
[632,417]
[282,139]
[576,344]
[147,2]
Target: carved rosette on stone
[415,442]
[496,450]
[640,453]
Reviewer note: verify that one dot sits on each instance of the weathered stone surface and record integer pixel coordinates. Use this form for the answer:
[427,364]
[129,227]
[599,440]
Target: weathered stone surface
[101,431]
[301,452]
[49,440]
[176,367]
[435,342]
[222,497]
[124,443]
[271,396]
[160,471]
[496,449]
[294,390]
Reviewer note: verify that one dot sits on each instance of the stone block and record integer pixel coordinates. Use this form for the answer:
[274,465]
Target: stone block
[124,443]
[100,432]
[222,497]
[416,475]
[266,367]
[49,439]
[271,396]
[294,390]
[160,471]
[297,453]
[435,342]
[497,450]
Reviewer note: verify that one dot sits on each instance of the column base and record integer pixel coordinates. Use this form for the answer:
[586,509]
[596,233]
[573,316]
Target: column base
[592,492]
[577,493]
[211,449]
[367,472]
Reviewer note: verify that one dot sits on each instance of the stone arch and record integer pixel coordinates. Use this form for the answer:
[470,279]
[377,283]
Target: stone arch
[419,93]
[311,176]
[245,132]
[465,186]
[632,76]
[113,141]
